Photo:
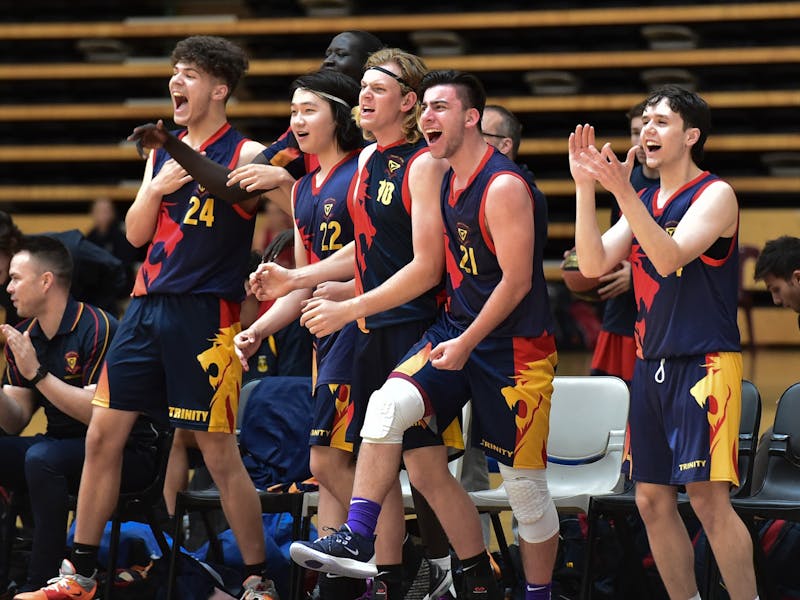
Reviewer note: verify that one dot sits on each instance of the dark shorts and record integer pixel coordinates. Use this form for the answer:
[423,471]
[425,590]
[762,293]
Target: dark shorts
[510,382]
[176,354]
[333,412]
[376,355]
[684,419]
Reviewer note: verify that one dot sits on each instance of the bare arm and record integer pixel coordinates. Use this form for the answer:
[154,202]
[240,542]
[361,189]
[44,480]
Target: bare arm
[273,281]
[16,408]
[713,215]
[412,280]
[142,216]
[285,310]
[597,254]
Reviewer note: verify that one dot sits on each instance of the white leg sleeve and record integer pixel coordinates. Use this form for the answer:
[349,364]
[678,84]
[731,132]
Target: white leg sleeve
[531,503]
[392,409]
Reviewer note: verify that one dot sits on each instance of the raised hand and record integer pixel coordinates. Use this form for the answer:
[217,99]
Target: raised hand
[149,135]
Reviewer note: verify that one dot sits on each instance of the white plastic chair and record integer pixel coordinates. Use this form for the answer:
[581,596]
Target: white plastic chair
[588,417]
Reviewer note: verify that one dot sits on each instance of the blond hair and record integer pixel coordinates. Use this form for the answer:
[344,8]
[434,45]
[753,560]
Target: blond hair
[412,70]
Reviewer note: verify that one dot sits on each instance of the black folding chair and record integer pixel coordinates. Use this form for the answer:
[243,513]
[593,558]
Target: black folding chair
[778,496]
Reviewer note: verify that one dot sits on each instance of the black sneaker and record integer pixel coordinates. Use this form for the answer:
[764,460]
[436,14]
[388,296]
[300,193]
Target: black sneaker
[430,583]
[341,553]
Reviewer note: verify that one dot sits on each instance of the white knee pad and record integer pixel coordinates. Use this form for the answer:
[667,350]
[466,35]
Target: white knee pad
[531,502]
[392,409]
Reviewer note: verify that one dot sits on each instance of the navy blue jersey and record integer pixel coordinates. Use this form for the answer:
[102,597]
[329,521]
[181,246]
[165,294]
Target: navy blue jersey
[381,214]
[691,311]
[472,268]
[325,226]
[201,244]
[320,211]
[74,355]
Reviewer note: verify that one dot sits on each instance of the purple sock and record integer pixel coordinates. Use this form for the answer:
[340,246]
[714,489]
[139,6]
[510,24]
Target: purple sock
[363,516]
[536,591]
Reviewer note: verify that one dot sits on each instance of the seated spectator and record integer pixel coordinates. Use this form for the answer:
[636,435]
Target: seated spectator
[778,266]
[54,357]
[108,232]
[98,277]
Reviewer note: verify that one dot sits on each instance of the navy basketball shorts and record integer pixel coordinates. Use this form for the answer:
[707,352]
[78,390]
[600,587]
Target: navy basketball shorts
[684,419]
[510,382]
[176,354]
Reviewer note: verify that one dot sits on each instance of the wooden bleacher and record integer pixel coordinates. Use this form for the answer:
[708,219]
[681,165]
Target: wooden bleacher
[528,147]
[478,63]
[175,27]
[750,79]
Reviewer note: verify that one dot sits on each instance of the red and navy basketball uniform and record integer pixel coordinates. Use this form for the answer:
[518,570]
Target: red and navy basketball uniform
[382,218]
[687,380]
[381,212]
[74,355]
[323,221]
[177,333]
[615,351]
[509,374]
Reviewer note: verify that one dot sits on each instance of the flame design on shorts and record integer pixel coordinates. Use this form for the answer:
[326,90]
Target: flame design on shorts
[529,399]
[225,377]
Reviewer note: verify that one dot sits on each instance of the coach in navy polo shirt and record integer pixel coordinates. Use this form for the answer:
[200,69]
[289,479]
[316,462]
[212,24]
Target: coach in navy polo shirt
[53,359]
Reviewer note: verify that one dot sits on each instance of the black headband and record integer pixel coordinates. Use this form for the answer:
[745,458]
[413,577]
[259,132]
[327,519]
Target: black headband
[397,78]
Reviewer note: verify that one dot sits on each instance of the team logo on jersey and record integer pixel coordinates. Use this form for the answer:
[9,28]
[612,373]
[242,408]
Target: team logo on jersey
[394,162]
[670,229]
[463,232]
[262,364]
[327,206]
[71,361]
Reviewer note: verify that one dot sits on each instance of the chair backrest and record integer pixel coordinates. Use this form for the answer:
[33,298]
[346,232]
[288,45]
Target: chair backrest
[749,426]
[787,420]
[588,419]
[244,396]
[585,413]
[781,481]
[131,501]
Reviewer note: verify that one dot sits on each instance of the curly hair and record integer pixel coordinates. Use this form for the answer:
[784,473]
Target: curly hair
[412,70]
[214,55]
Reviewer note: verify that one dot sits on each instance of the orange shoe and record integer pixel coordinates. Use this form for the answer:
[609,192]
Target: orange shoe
[67,586]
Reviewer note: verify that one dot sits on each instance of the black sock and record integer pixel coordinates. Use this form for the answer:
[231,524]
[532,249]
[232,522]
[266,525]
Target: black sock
[392,576]
[84,558]
[259,569]
[338,588]
[412,557]
[478,566]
